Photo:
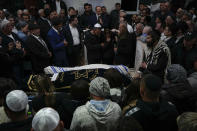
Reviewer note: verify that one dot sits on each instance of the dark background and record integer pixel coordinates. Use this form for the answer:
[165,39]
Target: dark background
[129,7]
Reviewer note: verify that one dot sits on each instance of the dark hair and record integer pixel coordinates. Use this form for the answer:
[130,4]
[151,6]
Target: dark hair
[86,4]
[128,123]
[72,18]
[33,26]
[107,31]
[80,89]
[6,85]
[148,11]
[51,11]
[71,8]
[10,16]
[20,25]
[155,35]
[182,26]
[161,18]
[163,1]
[148,20]
[117,4]
[172,28]
[132,92]
[47,12]
[189,15]
[152,86]
[114,78]
[25,15]
[173,18]
[56,21]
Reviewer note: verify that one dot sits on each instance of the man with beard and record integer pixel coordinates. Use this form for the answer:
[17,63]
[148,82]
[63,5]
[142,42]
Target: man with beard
[158,59]
[72,34]
[94,44]
[86,20]
[58,43]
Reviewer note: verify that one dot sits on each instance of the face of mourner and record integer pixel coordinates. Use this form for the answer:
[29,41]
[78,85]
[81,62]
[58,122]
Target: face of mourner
[36,32]
[97,31]
[149,41]
[75,22]
[189,43]
[59,27]
[98,11]
[121,29]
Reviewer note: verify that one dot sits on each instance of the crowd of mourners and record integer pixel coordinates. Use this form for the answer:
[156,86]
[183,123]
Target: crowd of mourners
[159,45]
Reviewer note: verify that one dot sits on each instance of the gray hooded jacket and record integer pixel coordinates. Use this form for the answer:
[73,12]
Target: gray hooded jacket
[96,116]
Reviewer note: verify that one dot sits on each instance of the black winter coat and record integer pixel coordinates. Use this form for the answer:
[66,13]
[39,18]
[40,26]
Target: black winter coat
[182,95]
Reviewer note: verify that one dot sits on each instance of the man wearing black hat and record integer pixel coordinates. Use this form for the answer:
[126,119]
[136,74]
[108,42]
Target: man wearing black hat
[152,113]
[37,49]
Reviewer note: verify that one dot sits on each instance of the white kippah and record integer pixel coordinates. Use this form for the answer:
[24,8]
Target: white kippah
[97,25]
[47,119]
[17,100]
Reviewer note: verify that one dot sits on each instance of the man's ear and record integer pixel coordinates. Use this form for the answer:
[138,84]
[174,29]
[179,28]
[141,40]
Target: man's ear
[62,124]
[7,112]
[141,90]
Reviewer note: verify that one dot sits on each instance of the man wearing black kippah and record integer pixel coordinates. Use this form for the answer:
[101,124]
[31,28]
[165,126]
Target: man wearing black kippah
[152,113]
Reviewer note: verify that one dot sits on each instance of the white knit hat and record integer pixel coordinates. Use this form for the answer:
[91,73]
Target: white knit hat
[17,100]
[47,119]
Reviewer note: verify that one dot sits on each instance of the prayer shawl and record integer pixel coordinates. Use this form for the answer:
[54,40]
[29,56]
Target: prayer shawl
[64,77]
[153,56]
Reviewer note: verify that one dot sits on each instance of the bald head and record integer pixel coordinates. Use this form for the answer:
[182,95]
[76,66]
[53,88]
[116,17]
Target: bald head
[41,12]
[147,29]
